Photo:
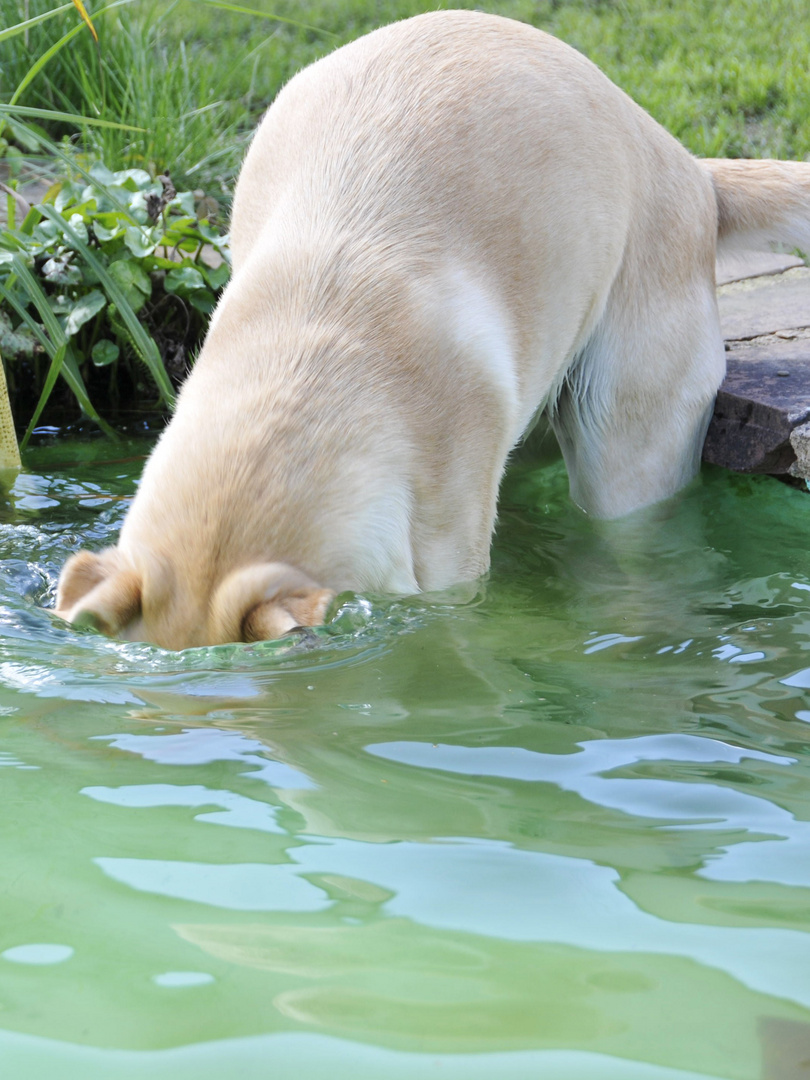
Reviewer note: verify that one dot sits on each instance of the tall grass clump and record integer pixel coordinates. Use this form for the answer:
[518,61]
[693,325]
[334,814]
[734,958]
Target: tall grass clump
[172,100]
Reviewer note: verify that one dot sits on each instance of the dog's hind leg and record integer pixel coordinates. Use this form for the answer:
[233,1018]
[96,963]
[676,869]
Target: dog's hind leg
[634,407]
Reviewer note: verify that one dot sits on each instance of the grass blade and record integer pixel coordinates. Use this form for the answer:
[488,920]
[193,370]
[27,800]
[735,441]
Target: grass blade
[54,372]
[40,63]
[240,10]
[31,323]
[57,347]
[9,451]
[20,28]
[42,60]
[73,377]
[73,118]
[39,300]
[82,10]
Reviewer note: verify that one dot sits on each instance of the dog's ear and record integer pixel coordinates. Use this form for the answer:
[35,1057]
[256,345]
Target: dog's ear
[98,591]
[265,601]
[277,617]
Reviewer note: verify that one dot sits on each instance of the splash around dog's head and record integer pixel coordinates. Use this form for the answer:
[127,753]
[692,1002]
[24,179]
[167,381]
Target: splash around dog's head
[137,599]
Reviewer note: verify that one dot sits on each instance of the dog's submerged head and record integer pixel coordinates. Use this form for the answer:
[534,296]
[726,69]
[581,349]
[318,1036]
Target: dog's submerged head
[139,600]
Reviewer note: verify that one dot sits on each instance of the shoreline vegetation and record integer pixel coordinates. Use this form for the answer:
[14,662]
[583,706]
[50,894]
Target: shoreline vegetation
[133,117]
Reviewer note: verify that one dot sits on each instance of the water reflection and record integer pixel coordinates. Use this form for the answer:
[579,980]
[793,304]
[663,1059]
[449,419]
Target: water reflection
[238,811]
[181,979]
[232,886]
[785,860]
[202,746]
[37,954]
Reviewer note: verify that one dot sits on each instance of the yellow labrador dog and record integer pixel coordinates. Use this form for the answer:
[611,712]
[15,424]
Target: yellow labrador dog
[439,231]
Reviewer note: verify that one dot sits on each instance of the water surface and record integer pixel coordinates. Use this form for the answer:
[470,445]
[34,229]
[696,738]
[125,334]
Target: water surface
[553,825]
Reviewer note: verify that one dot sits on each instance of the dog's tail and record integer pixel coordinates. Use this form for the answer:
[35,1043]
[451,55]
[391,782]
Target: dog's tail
[761,203]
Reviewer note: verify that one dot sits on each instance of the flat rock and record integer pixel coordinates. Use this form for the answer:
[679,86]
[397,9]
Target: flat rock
[765,305]
[761,421]
[751,264]
[765,396]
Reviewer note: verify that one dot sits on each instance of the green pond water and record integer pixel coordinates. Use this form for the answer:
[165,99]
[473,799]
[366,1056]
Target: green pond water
[554,825]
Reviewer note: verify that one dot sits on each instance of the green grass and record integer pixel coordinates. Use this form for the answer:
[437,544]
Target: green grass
[143,75]
[727,77]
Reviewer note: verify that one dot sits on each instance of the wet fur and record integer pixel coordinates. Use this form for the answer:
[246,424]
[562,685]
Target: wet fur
[439,231]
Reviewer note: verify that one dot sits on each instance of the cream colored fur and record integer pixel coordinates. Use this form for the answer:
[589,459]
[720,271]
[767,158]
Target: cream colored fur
[439,231]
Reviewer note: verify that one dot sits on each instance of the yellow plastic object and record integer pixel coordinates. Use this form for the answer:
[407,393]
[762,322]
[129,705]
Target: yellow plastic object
[9,451]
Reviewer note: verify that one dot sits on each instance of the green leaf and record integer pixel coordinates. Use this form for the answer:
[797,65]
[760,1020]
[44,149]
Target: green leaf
[76,222]
[180,225]
[203,300]
[135,284]
[139,242]
[83,311]
[16,343]
[157,262]
[214,238]
[105,235]
[185,201]
[217,276]
[60,303]
[104,352]
[133,179]
[184,280]
[101,174]
[46,231]
[60,270]
[68,193]
[30,220]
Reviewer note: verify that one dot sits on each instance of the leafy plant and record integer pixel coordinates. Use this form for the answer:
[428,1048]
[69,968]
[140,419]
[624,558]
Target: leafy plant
[112,270]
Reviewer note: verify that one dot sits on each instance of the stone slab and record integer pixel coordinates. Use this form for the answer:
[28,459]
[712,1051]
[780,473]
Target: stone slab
[765,396]
[752,264]
[761,421]
[765,305]
[774,372]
